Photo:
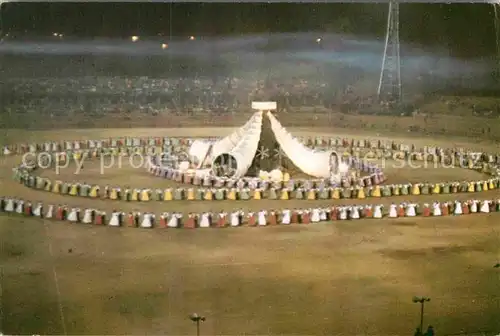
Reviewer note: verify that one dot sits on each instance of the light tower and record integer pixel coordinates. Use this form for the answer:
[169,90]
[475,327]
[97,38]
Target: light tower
[389,86]
[496,13]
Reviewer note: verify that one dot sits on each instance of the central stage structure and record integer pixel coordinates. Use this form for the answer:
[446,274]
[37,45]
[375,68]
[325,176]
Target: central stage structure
[263,147]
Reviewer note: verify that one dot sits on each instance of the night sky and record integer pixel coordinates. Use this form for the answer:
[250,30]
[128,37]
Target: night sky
[466,29]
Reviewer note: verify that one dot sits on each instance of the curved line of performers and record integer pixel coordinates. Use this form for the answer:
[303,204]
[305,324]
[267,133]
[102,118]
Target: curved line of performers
[208,194]
[376,177]
[240,217]
[54,146]
[141,144]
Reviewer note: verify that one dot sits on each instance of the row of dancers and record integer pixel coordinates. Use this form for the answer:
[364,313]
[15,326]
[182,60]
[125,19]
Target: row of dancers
[241,217]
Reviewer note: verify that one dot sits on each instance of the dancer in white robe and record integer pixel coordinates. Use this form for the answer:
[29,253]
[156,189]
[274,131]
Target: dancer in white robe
[458,208]
[485,206]
[38,210]
[343,213]
[9,205]
[235,218]
[377,212]
[436,209]
[473,206]
[286,216]
[205,220]
[261,218]
[173,222]
[88,216]
[73,215]
[115,219]
[393,211]
[315,218]
[147,221]
[50,212]
[323,214]
[20,207]
[354,212]
[411,210]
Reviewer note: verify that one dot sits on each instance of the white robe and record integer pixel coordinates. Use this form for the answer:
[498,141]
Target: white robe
[323,217]
[393,211]
[20,207]
[38,210]
[315,217]
[436,209]
[147,221]
[9,205]
[205,220]
[354,212]
[343,213]
[87,216]
[485,206]
[261,219]
[473,206]
[286,216]
[377,213]
[458,209]
[173,222]
[73,215]
[114,220]
[411,210]
[235,218]
[50,212]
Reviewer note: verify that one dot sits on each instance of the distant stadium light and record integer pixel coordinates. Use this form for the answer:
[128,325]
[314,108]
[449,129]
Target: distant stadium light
[191,38]
[318,40]
[164,46]
[55,34]
[134,38]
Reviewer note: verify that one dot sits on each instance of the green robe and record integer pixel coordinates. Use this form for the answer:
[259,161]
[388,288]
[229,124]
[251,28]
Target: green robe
[179,194]
[386,191]
[299,194]
[220,194]
[405,189]
[272,194]
[243,194]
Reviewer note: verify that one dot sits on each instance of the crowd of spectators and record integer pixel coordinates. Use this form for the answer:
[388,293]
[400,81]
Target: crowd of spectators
[94,95]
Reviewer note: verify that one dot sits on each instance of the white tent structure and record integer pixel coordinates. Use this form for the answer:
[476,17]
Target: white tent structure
[233,155]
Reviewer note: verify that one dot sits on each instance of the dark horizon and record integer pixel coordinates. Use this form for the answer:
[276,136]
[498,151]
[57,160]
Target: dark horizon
[453,27]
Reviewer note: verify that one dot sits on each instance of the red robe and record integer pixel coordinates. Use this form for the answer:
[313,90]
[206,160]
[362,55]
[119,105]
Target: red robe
[305,218]
[334,214]
[368,212]
[445,209]
[426,211]
[222,220]
[190,222]
[401,211]
[465,208]
[163,221]
[252,219]
[294,218]
[99,219]
[131,220]
[60,213]
[271,218]
[28,210]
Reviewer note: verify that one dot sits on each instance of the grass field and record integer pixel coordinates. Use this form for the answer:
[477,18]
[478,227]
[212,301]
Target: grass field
[347,278]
